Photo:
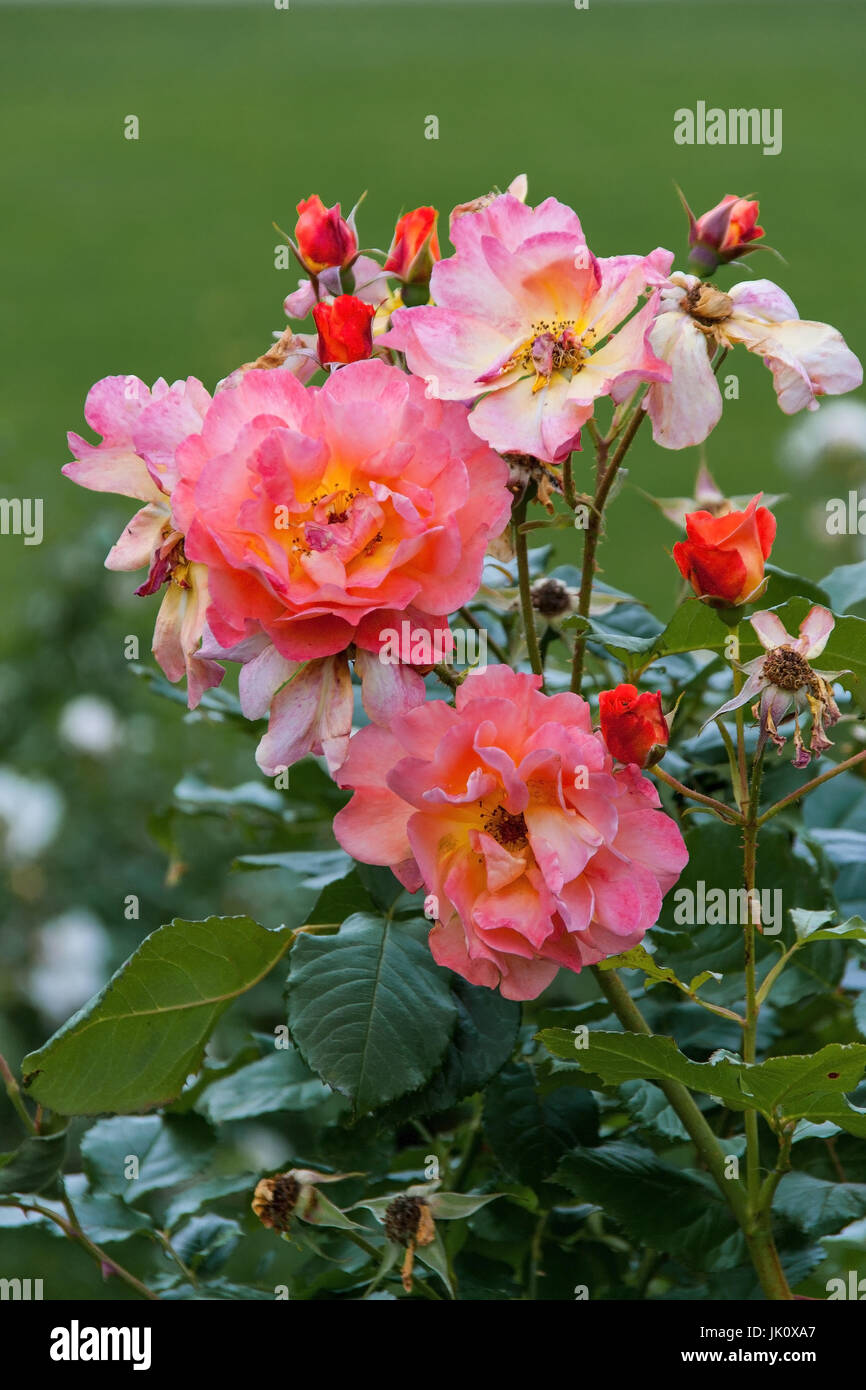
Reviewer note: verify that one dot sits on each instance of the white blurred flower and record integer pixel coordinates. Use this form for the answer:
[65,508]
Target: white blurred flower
[89,724]
[839,428]
[70,963]
[30,815]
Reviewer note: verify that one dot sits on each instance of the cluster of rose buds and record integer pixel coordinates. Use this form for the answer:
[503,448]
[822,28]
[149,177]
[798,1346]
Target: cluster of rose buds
[291,524]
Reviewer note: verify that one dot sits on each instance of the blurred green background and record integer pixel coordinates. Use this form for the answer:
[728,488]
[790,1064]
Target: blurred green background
[156,257]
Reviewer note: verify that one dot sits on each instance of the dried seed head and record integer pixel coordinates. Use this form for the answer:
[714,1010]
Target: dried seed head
[403,1218]
[787,669]
[274,1200]
[551,598]
[708,305]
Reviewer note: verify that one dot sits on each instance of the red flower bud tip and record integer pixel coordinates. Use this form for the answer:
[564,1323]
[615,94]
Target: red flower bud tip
[324,238]
[723,558]
[632,724]
[415,248]
[345,329]
[723,234]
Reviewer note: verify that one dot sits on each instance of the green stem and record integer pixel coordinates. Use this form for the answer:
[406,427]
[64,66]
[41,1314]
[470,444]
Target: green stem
[13,1091]
[518,517]
[74,1232]
[727,813]
[810,786]
[494,646]
[606,476]
[755,1225]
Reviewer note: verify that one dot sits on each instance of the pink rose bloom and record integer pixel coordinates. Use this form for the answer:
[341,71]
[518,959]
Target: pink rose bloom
[807,359]
[529,323]
[141,430]
[325,517]
[507,808]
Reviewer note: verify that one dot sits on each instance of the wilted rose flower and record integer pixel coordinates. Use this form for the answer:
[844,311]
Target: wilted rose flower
[326,516]
[807,359]
[723,558]
[725,233]
[415,247]
[324,238]
[632,724]
[345,329]
[530,324]
[786,682]
[141,430]
[509,811]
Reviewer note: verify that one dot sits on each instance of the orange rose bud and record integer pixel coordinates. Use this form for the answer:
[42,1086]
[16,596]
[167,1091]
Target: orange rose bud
[415,248]
[723,234]
[632,724]
[324,238]
[723,558]
[345,329]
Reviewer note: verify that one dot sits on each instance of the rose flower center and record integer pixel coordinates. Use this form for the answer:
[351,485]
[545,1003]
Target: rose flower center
[506,829]
[787,669]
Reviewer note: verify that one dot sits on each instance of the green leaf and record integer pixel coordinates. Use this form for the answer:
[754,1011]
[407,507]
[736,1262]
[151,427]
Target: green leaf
[811,1087]
[210,1190]
[528,1131]
[670,1209]
[277,1082]
[34,1164]
[784,586]
[166,1150]
[135,1043]
[206,1242]
[369,1009]
[106,1219]
[846,586]
[649,1108]
[812,926]
[313,868]
[339,900]
[817,1206]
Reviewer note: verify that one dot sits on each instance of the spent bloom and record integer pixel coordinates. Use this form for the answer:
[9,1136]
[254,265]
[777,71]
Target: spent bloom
[528,323]
[723,558]
[137,457]
[807,359]
[633,725]
[783,680]
[536,852]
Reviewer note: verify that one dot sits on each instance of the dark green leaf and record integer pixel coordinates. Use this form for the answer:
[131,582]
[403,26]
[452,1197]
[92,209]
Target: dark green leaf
[136,1154]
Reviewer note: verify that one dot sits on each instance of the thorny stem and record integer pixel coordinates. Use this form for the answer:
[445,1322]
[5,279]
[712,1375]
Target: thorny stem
[755,1226]
[727,813]
[13,1091]
[519,516]
[74,1232]
[810,786]
[606,476]
[494,646]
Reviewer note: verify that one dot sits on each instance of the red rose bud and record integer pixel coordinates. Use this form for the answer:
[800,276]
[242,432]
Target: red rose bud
[632,724]
[723,558]
[415,248]
[324,237]
[345,329]
[723,234]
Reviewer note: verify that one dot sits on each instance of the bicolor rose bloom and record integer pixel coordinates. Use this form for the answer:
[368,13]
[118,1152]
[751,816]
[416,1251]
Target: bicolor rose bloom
[324,238]
[723,558]
[633,725]
[345,329]
[807,359]
[415,247]
[326,516]
[783,681]
[534,851]
[141,430]
[725,233]
[528,323]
